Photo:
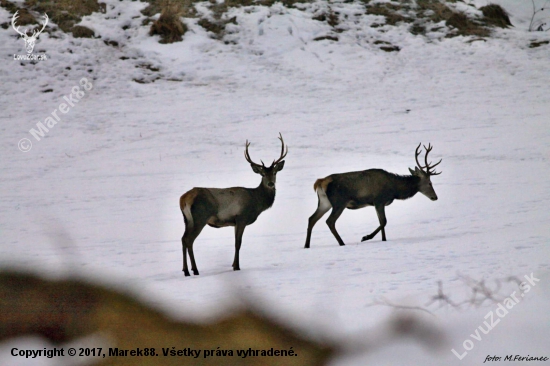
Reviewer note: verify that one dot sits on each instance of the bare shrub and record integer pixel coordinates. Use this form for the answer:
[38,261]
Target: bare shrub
[66,13]
[495,15]
[169,26]
[80,31]
[466,27]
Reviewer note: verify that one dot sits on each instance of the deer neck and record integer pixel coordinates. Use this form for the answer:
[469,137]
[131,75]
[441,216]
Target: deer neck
[264,196]
[407,187]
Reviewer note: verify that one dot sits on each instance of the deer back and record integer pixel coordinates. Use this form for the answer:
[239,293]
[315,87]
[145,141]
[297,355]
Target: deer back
[369,187]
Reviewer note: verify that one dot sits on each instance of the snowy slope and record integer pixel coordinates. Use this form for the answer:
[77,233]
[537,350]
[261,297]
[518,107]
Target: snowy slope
[109,174]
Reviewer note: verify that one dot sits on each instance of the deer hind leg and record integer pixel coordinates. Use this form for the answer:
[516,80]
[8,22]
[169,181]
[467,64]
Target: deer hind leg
[195,220]
[331,221]
[382,218]
[323,205]
[187,242]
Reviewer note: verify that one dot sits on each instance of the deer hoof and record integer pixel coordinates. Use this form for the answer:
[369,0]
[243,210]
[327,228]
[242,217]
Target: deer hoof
[195,272]
[236,269]
[186,272]
[367,237]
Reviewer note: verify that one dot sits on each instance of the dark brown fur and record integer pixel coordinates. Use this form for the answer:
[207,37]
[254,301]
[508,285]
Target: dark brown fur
[372,187]
[220,207]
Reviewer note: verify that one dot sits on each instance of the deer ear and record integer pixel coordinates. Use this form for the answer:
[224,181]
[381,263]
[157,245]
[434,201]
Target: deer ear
[257,169]
[279,166]
[412,171]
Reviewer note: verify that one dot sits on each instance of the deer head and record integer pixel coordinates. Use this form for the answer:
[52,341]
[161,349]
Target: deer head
[269,174]
[30,41]
[425,186]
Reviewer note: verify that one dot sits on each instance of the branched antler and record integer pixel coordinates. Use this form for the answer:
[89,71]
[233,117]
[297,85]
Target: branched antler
[283,154]
[428,167]
[247,156]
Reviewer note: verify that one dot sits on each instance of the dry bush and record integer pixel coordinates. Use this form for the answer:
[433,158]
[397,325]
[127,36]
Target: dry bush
[389,11]
[24,17]
[466,27]
[169,25]
[66,310]
[495,15]
[80,31]
[186,7]
[217,27]
[9,6]
[66,13]
[426,11]
[440,11]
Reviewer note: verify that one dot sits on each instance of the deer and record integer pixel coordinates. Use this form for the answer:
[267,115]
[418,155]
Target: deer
[235,206]
[372,187]
[30,41]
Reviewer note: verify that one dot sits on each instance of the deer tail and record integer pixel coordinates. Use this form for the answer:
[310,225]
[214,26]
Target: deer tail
[186,201]
[321,184]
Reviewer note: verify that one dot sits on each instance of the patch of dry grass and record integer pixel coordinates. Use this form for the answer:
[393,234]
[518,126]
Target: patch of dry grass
[65,13]
[169,25]
[465,26]
[495,15]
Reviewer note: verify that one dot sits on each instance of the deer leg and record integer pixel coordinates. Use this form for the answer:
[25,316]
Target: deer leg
[323,206]
[239,230]
[382,218]
[331,222]
[184,249]
[188,239]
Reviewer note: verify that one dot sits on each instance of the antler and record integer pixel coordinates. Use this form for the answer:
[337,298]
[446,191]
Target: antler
[34,34]
[247,156]
[428,166]
[416,154]
[283,153]
[13,19]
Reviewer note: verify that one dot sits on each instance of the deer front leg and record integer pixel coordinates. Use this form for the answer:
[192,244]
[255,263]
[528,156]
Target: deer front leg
[239,230]
[382,218]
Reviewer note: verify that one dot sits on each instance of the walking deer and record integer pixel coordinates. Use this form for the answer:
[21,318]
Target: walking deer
[236,206]
[372,187]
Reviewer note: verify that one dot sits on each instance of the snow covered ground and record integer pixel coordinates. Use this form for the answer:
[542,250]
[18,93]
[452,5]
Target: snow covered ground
[98,194]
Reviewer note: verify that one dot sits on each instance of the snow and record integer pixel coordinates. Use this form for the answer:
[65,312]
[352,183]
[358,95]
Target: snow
[98,195]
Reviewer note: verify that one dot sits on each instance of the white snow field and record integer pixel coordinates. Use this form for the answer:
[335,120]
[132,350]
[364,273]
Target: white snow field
[98,195]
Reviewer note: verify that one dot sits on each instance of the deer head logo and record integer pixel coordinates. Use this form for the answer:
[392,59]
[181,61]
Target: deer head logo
[30,41]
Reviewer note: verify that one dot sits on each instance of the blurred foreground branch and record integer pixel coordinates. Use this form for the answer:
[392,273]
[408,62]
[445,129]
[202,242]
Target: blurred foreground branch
[66,310]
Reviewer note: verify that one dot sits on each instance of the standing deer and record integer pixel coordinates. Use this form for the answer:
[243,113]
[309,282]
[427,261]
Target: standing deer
[372,187]
[236,206]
